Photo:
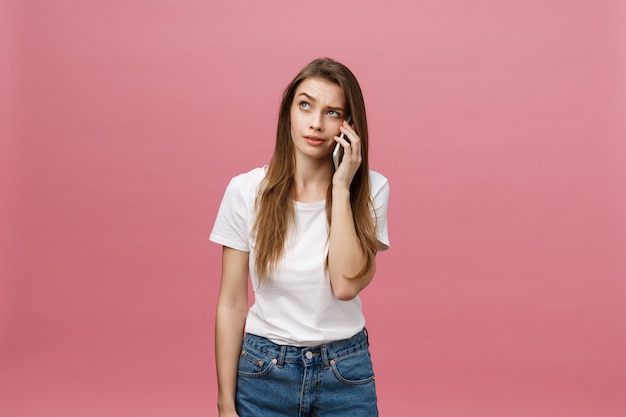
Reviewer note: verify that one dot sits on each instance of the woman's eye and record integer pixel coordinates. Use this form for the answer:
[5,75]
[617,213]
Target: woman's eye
[305,106]
[334,113]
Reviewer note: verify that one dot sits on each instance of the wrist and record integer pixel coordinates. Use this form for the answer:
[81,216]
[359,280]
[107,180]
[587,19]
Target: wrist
[225,408]
[341,191]
[225,404]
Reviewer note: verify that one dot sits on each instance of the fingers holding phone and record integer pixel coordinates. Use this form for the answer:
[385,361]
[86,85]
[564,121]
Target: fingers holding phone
[341,145]
[347,155]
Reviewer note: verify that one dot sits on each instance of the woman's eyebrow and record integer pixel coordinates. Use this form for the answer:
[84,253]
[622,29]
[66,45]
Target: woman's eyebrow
[307,96]
[314,100]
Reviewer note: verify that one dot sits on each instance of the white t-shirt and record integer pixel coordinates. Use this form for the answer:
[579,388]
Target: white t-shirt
[295,306]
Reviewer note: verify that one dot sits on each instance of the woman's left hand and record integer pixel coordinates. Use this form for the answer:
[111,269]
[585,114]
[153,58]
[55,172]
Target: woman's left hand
[351,160]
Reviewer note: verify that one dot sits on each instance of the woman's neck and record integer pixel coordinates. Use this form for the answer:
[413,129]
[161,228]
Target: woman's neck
[311,181]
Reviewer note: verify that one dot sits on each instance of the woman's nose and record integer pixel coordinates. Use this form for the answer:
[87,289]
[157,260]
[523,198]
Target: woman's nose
[316,121]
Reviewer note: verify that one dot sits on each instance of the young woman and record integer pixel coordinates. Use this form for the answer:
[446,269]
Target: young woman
[307,234]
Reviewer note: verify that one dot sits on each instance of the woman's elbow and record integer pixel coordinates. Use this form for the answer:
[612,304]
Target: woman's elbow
[347,289]
[345,294]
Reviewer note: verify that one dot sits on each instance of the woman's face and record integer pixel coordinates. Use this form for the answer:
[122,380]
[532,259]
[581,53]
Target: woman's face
[317,111]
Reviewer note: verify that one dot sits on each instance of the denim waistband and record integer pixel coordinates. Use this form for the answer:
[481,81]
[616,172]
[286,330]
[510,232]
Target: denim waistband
[310,354]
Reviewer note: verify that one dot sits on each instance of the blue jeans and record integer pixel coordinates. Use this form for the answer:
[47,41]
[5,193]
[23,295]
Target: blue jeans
[332,380]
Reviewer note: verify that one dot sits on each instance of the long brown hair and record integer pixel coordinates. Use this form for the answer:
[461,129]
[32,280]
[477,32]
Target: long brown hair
[275,209]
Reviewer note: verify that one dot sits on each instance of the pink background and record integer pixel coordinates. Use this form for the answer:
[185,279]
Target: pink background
[500,126]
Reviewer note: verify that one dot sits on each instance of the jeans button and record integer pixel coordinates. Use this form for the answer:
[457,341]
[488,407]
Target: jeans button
[309,355]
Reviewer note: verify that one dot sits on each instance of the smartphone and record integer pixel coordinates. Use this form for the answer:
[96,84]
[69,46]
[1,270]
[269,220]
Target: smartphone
[338,152]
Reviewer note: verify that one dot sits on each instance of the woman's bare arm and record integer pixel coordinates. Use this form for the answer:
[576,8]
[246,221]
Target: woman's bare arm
[232,307]
[345,256]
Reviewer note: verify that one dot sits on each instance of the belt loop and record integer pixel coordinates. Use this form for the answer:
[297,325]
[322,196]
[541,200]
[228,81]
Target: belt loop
[325,361]
[281,357]
[367,337]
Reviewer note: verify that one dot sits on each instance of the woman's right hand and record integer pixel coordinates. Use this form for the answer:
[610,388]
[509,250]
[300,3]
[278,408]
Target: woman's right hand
[229,414]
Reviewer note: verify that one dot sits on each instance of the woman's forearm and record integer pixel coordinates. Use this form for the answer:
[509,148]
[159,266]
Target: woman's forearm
[232,308]
[345,256]
[229,327]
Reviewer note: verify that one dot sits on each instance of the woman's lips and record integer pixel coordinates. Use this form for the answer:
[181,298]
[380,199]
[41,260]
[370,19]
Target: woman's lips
[314,140]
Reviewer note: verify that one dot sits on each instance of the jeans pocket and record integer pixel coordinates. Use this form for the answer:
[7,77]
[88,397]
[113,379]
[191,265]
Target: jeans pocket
[254,364]
[354,369]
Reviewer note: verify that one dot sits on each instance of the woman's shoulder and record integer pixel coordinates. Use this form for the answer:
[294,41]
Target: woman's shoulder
[247,183]
[377,181]
[253,177]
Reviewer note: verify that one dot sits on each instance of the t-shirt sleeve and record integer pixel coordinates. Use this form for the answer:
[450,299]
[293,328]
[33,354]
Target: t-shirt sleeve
[231,225]
[380,199]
